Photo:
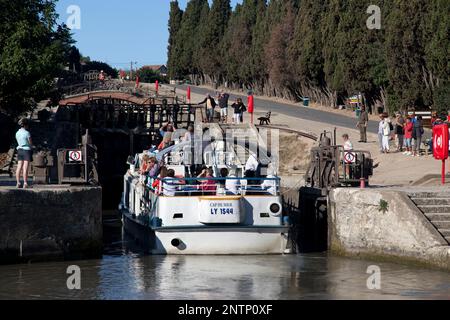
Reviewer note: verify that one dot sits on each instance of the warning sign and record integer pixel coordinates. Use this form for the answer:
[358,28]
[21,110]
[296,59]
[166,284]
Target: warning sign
[75,156]
[349,157]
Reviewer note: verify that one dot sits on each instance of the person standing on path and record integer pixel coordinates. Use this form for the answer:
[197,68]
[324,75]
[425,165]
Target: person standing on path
[210,105]
[386,134]
[400,131]
[363,120]
[239,109]
[417,136]
[380,132]
[408,136]
[24,152]
[223,104]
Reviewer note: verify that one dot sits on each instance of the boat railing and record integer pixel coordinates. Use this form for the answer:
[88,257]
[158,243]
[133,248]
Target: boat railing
[208,186]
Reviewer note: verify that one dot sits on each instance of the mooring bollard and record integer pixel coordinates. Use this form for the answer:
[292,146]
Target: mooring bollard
[362,183]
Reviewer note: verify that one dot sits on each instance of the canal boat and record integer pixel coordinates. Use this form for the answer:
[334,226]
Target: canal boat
[217,215]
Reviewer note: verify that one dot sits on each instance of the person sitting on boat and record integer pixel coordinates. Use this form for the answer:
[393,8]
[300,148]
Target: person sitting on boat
[144,165]
[270,185]
[232,184]
[189,135]
[168,127]
[156,183]
[166,142]
[207,184]
[252,169]
[170,187]
[153,167]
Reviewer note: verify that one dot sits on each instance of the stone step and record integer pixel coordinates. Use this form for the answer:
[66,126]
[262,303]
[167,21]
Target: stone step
[442,224]
[431,201]
[445,232]
[435,209]
[438,216]
[429,195]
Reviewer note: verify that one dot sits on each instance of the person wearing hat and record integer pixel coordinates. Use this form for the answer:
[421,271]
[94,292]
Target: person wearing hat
[24,152]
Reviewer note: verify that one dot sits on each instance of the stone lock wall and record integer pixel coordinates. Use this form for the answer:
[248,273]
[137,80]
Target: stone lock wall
[50,223]
[383,224]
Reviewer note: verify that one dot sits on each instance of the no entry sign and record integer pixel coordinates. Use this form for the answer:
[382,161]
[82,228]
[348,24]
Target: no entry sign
[349,157]
[440,142]
[75,156]
[440,145]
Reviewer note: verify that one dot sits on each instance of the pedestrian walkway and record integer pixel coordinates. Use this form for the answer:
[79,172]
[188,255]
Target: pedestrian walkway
[393,169]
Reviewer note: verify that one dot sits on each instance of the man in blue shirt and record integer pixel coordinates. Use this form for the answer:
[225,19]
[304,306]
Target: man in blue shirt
[24,152]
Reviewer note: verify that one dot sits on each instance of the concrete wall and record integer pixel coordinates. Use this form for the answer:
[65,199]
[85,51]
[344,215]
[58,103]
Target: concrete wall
[50,223]
[357,227]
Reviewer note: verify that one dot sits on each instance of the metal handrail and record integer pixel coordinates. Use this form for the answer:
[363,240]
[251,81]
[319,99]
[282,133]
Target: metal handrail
[182,187]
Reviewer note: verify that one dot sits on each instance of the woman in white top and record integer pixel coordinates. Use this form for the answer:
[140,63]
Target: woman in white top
[386,134]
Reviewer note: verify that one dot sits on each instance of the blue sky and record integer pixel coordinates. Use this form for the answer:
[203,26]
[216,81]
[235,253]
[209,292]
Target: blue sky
[118,31]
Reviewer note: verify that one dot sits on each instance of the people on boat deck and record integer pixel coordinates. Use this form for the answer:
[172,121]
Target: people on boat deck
[170,187]
[153,167]
[166,142]
[168,127]
[189,135]
[232,184]
[144,164]
[156,183]
[207,184]
[270,185]
[252,168]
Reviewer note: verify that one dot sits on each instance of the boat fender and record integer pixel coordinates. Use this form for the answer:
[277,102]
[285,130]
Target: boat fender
[175,242]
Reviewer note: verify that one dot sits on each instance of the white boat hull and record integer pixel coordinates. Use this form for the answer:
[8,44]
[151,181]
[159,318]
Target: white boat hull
[209,240]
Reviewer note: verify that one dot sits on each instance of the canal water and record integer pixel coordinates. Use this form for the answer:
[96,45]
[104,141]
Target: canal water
[126,273]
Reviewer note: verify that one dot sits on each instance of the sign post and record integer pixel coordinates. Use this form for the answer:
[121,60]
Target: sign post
[440,145]
[157,86]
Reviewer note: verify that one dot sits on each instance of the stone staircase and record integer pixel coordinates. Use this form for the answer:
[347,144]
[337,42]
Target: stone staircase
[436,207]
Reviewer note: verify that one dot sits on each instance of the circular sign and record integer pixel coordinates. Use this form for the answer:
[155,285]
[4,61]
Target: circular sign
[349,157]
[75,156]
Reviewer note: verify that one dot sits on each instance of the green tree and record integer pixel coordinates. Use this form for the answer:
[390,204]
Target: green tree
[405,55]
[306,48]
[74,59]
[211,33]
[33,50]
[175,18]
[279,64]
[187,38]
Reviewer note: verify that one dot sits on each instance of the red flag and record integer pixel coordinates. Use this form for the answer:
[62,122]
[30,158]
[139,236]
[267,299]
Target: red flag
[157,86]
[137,81]
[188,96]
[251,104]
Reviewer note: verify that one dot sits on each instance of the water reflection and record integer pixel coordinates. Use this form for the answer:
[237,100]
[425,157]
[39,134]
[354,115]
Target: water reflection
[125,272]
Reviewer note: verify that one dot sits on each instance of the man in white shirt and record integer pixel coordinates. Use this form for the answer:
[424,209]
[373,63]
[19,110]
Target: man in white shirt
[252,163]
